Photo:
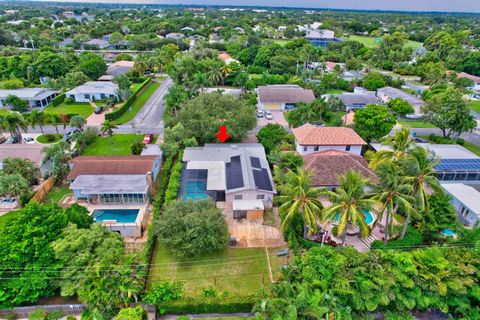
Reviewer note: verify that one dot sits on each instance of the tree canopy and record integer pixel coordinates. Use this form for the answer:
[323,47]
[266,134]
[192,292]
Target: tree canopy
[374,122]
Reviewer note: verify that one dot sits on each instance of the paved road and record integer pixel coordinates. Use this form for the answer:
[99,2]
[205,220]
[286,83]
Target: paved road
[148,120]
[473,137]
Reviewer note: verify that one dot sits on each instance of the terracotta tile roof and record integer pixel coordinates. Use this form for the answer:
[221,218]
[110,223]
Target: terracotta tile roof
[224,56]
[326,136]
[99,165]
[284,94]
[327,166]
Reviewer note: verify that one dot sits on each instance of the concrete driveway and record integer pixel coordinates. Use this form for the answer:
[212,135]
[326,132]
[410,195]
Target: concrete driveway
[278,117]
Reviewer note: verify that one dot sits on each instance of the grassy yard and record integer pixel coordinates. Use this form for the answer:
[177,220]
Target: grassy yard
[475,105]
[82,108]
[240,272]
[334,91]
[415,123]
[138,103]
[472,147]
[57,193]
[370,42]
[50,138]
[118,145]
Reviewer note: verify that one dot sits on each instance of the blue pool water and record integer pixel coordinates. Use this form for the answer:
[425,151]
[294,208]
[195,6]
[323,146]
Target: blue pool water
[448,233]
[195,190]
[120,215]
[368,217]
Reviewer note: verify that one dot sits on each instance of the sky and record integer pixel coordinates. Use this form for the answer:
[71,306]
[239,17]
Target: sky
[401,5]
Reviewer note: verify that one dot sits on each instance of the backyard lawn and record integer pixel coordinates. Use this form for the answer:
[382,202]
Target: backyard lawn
[138,103]
[475,105]
[370,42]
[239,271]
[118,145]
[472,147]
[415,123]
[57,193]
[82,108]
[4,219]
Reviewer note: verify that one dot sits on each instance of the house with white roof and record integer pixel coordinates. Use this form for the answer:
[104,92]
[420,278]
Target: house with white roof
[237,175]
[93,90]
[36,97]
[388,93]
[310,139]
[466,201]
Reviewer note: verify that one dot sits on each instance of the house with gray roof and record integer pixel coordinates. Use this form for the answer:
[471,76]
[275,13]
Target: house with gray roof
[283,96]
[36,97]
[237,175]
[93,90]
[388,93]
[354,101]
[97,43]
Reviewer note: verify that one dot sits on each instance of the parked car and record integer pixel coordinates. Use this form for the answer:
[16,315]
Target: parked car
[147,138]
[259,113]
[99,109]
[13,140]
[28,140]
[268,115]
[70,134]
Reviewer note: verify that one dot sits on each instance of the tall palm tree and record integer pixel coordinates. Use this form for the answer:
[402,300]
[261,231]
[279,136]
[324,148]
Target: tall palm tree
[215,76]
[13,185]
[226,71]
[348,203]
[418,168]
[52,118]
[299,198]
[14,123]
[37,117]
[107,127]
[393,193]
[200,81]
[398,145]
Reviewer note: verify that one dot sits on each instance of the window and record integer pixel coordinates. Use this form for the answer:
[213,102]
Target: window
[347,148]
[102,95]
[315,148]
[238,197]
[305,148]
[87,96]
[260,196]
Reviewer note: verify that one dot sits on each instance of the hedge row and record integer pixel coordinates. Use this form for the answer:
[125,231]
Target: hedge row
[120,112]
[58,100]
[223,305]
[174,183]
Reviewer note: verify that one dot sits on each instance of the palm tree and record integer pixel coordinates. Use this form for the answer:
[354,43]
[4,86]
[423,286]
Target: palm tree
[298,198]
[200,81]
[14,123]
[393,193]
[398,145]
[348,203]
[52,117]
[418,168]
[241,80]
[215,76]
[37,117]
[77,121]
[225,71]
[59,155]
[13,185]
[107,127]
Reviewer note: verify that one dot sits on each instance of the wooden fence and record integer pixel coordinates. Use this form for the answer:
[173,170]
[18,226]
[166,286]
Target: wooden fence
[43,189]
[66,309]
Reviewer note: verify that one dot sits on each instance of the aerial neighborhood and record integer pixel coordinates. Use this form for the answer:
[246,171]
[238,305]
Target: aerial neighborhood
[231,162]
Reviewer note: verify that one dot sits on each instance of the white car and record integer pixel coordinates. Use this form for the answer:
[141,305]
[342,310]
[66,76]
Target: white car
[268,115]
[259,113]
[28,140]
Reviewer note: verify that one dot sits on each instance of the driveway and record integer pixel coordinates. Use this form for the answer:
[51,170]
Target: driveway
[278,117]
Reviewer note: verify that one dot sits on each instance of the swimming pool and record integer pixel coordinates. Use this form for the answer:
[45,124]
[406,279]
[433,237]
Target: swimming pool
[195,190]
[120,215]
[449,233]
[368,217]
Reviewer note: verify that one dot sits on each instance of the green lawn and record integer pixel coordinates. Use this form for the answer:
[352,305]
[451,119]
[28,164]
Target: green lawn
[239,271]
[43,138]
[138,103]
[370,42]
[118,145]
[334,91]
[4,219]
[415,123]
[57,193]
[82,108]
[282,42]
[472,147]
[475,105]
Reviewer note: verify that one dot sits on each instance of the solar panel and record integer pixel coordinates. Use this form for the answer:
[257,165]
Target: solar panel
[255,162]
[458,164]
[234,173]
[262,180]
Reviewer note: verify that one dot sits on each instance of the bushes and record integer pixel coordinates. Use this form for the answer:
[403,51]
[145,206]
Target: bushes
[118,113]
[58,100]
[137,313]
[412,238]
[174,183]
[217,305]
[441,140]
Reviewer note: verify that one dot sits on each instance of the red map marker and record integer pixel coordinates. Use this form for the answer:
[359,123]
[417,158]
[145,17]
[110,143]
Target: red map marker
[222,134]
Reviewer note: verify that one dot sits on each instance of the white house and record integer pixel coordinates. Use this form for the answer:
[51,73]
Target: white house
[93,90]
[476,81]
[466,201]
[36,97]
[310,138]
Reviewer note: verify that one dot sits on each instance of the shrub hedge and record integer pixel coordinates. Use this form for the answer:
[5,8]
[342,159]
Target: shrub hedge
[118,113]
[219,305]
[174,183]
[413,237]
[58,100]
